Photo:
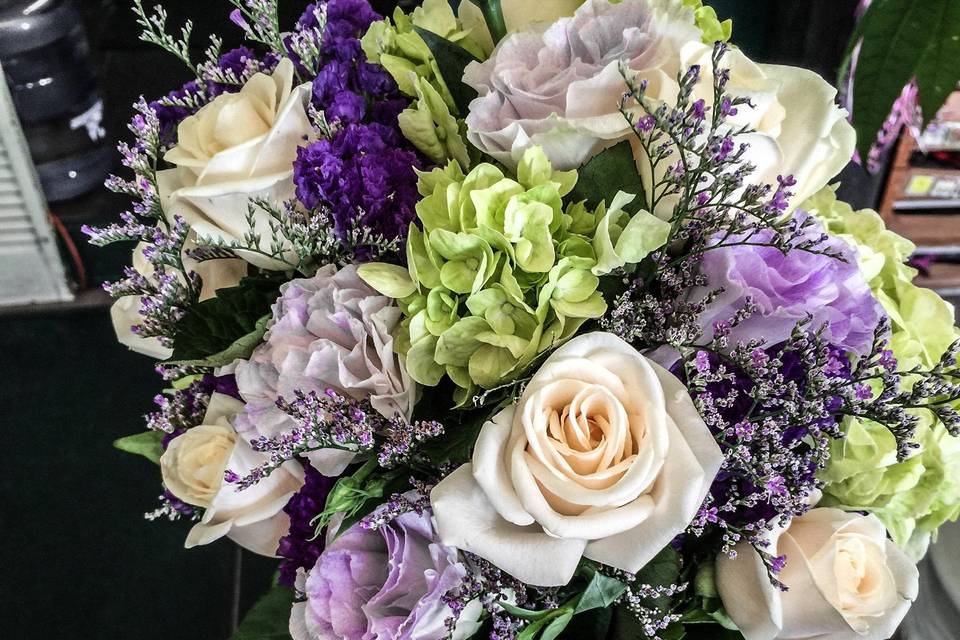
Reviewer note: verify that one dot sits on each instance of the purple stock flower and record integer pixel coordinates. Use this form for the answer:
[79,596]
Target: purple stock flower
[301,547]
[388,583]
[365,174]
[786,288]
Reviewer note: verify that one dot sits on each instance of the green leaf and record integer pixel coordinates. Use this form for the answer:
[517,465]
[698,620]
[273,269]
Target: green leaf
[239,350]
[895,36]
[664,569]
[493,15]
[451,59]
[524,614]
[213,326]
[938,72]
[269,619]
[148,444]
[556,627]
[457,444]
[607,173]
[601,592]
[387,485]
[591,624]
[625,625]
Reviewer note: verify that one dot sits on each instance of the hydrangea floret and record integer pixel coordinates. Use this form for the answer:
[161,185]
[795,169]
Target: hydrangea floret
[497,275]
[912,497]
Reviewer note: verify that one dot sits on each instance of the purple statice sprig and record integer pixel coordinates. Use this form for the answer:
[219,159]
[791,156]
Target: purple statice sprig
[169,288]
[770,409]
[332,421]
[305,43]
[696,161]
[172,508]
[182,408]
[260,21]
[154,32]
[302,239]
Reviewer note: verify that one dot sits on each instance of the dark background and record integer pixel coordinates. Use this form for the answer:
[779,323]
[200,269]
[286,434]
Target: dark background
[78,560]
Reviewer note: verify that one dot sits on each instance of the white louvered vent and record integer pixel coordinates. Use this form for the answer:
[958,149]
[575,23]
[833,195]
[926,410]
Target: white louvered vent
[30,266]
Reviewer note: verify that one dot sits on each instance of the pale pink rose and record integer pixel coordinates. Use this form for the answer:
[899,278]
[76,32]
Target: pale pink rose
[331,331]
[560,88]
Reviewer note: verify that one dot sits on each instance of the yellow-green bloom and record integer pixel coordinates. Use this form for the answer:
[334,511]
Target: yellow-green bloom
[428,124]
[914,497]
[708,22]
[397,47]
[497,272]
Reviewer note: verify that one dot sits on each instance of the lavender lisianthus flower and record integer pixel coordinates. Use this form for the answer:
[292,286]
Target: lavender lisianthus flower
[331,331]
[786,288]
[386,584]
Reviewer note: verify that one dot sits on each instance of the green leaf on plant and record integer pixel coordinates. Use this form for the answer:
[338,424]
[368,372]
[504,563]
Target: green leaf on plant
[451,59]
[524,614]
[591,624]
[938,72]
[896,33]
[663,569]
[239,350]
[457,444]
[557,625]
[213,326]
[601,592]
[148,444]
[607,173]
[493,16]
[269,619]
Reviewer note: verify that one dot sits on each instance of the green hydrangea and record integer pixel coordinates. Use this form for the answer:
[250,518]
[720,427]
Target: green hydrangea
[914,497]
[708,22]
[430,122]
[499,271]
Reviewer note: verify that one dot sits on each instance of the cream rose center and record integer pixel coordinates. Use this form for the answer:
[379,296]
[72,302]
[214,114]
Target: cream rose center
[581,433]
[865,586]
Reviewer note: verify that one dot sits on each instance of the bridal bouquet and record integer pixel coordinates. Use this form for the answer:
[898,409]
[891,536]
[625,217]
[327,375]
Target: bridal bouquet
[531,320]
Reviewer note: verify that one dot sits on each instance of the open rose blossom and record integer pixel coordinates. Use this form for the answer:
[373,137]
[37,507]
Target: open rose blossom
[604,456]
[239,147]
[846,581]
[331,331]
[383,585]
[194,466]
[560,88]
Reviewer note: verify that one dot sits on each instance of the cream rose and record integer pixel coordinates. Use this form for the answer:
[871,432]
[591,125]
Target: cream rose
[125,312]
[560,89]
[239,147]
[604,456]
[193,468]
[193,465]
[846,581]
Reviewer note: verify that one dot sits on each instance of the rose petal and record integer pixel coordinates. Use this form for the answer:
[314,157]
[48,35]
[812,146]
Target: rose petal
[467,520]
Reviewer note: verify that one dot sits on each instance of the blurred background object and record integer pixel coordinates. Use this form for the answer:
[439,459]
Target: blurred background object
[30,266]
[46,59]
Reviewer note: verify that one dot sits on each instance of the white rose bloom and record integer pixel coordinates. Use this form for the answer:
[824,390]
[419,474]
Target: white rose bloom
[560,89]
[604,456]
[193,467]
[125,312]
[239,147]
[846,581]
